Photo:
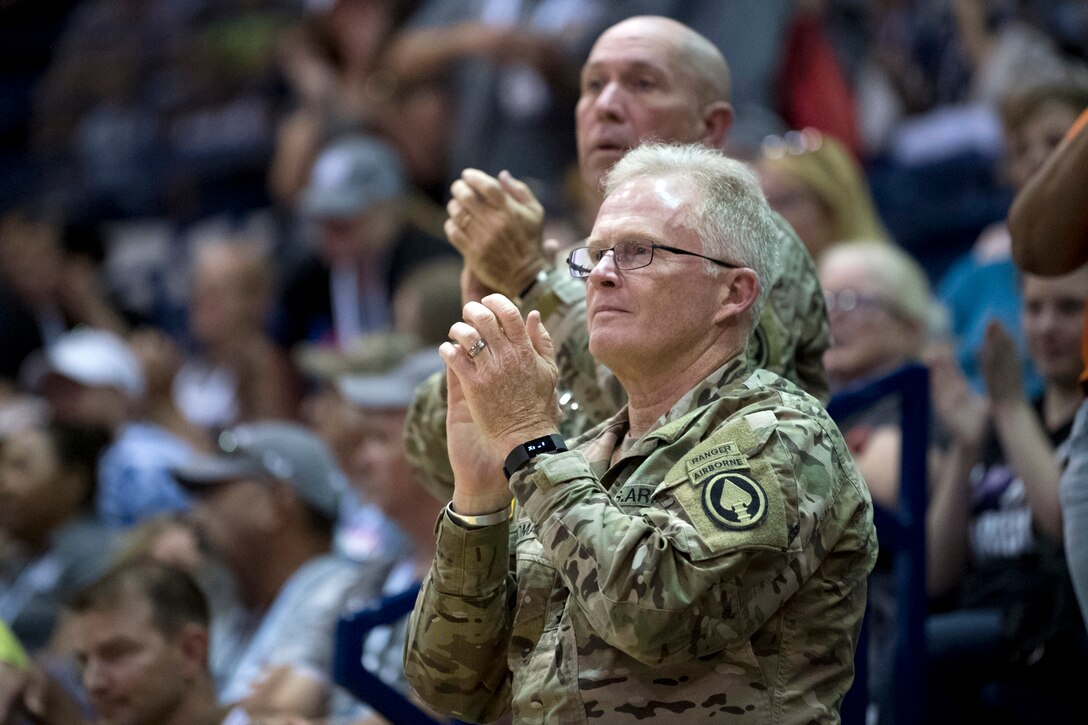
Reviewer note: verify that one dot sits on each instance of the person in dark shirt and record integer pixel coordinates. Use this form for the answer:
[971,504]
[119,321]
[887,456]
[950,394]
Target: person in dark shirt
[1011,640]
[367,243]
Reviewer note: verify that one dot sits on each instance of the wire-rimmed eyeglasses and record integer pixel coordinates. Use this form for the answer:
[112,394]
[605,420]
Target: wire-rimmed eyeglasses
[792,143]
[628,254]
[848,300]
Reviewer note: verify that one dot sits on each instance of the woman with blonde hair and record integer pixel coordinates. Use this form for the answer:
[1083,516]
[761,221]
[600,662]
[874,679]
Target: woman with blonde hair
[818,187]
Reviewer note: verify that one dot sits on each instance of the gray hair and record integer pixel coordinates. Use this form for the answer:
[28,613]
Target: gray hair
[901,277]
[731,216]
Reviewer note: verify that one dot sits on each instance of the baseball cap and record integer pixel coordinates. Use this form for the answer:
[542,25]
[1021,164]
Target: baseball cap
[352,174]
[95,358]
[284,451]
[395,388]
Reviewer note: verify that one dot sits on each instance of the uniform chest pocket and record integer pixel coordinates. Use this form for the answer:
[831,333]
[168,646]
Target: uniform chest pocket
[540,596]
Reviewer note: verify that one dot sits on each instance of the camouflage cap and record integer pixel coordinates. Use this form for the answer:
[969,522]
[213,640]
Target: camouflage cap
[367,354]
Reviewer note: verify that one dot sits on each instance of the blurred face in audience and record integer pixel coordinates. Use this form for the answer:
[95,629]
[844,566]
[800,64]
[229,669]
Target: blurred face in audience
[30,258]
[869,334]
[91,405]
[36,494]
[235,517]
[134,673]
[328,415]
[800,206]
[1053,319]
[224,301]
[346,241]
[378,466]
[418,123]
[1031,144]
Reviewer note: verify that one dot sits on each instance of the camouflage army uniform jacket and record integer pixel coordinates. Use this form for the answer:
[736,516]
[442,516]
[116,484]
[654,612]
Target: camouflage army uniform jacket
[717,571]
[790,339]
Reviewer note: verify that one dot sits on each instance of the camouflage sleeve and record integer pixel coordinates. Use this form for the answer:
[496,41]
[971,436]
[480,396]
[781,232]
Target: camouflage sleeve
[588,393]
[792,334]
[425,438]
[459,631]
[679,579]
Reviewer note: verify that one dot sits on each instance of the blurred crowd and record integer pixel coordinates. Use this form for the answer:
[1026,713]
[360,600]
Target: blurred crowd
[223,263]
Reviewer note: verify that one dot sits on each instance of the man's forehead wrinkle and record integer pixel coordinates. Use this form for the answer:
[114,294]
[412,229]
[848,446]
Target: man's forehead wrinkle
[643,62]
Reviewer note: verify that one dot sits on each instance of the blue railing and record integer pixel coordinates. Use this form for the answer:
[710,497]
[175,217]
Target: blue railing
[348,669]
[902,532]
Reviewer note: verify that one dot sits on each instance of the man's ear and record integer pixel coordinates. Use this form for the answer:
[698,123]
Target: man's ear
[717,122]
[738,296]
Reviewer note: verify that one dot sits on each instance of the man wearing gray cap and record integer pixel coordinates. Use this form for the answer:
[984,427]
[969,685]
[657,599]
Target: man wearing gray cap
[357,197]
[268,503]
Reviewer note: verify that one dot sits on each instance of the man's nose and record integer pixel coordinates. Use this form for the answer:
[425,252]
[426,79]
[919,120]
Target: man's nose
[1047,320]
[609,101]
[94,676]
[605,271]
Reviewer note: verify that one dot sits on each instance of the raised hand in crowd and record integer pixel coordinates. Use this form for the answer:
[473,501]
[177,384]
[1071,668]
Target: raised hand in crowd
[497,225]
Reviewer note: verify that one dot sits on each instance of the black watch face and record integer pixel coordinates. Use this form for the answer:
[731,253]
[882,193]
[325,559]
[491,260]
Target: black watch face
[540,445]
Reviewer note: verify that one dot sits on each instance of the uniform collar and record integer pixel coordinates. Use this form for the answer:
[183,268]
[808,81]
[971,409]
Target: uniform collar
[669,427]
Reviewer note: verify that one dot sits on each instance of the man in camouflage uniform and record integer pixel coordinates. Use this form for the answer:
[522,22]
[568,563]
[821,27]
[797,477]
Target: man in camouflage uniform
[701,555]
[647,78]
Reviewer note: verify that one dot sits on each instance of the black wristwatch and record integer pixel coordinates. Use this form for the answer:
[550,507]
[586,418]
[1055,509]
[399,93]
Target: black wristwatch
[518,457]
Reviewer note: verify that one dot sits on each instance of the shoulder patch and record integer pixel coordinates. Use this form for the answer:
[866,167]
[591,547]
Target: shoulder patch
[728,488]
[734,501]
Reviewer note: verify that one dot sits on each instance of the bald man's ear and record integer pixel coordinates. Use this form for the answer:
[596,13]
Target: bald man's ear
[717,122]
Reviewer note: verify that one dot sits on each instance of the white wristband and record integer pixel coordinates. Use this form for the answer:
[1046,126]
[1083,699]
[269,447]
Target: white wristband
[476,522]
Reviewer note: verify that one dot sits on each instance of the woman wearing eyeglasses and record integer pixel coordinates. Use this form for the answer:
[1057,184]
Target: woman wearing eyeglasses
[880,310]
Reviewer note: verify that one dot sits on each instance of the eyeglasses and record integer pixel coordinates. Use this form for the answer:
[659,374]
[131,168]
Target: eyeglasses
[792,143]
[627,255]
[849,300]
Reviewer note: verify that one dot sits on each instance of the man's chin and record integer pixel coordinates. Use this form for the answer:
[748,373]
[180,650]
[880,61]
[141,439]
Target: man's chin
[598,163]
[605,348]
[113,716]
